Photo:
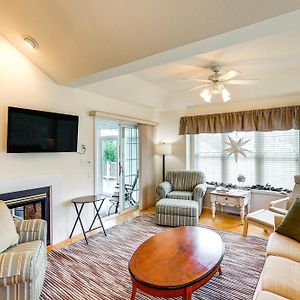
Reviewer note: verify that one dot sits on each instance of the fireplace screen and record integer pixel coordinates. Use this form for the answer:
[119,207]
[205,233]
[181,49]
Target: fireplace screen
[28,211]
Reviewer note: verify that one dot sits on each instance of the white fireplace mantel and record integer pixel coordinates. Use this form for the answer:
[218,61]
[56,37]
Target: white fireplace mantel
[55,182]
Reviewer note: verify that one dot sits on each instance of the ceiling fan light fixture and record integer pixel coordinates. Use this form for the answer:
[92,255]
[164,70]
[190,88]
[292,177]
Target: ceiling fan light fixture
[215,90]
[206,95]
[225,95]
[216,82]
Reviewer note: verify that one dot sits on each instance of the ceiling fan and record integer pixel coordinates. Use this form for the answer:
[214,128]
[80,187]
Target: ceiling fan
[216,82]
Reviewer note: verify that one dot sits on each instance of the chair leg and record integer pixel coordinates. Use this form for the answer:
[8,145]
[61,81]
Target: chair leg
[245,233]
[117,206]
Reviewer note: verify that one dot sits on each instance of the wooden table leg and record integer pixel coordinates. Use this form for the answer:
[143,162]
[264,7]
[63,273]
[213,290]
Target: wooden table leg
[188,293]
[242,213]
[133,293]
[213,209]
[220,270]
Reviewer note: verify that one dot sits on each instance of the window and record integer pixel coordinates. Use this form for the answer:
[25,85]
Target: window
[273,157]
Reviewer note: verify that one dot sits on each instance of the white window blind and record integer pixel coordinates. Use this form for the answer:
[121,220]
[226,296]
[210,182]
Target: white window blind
[273,157]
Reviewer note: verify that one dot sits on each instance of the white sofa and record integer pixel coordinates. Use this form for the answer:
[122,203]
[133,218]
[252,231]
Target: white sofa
[281,273]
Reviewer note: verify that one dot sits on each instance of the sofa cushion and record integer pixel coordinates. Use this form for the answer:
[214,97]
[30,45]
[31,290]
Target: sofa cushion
[280,245]
[281,276]
[179,207]
[8,232]
[290,225]
[180,195]
[263,295]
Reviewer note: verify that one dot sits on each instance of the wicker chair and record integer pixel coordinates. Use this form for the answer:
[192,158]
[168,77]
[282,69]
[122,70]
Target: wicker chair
[282,206]
[264,218]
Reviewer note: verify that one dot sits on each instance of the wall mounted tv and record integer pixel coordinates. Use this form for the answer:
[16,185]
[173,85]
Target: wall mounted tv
[39,131]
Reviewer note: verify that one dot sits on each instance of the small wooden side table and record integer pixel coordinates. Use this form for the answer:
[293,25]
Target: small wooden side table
[83,200]
[232,198]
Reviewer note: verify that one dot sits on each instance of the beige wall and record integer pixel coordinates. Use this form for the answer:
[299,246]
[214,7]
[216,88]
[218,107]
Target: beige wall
[147,166]
[167,132]
[23,84]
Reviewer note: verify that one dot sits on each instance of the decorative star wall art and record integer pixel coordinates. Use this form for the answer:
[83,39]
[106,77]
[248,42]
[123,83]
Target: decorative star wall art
[236,147]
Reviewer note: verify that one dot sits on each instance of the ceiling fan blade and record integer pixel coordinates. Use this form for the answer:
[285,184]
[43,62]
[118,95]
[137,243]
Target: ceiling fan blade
[197,79]
[197,87]
[242,81]
[229,75]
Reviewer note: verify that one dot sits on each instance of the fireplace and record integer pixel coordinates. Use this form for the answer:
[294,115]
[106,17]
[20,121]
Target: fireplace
[30,204]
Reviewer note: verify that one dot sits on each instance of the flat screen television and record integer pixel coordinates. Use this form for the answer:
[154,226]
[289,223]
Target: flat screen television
[39,131]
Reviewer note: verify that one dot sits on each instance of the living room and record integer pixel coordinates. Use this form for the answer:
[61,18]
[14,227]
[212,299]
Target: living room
[148,74]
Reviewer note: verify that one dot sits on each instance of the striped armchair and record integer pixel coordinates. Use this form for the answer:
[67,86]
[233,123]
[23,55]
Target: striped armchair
[183,184]
[23,266]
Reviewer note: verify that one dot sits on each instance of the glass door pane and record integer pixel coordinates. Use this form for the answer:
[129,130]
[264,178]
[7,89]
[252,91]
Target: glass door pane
[107,171]
[130,166]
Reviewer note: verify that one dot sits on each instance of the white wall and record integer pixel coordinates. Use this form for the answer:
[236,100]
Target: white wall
[23,84]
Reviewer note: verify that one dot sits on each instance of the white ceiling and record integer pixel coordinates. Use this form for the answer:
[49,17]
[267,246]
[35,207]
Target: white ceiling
[147,46]
[274,60]
[78,38]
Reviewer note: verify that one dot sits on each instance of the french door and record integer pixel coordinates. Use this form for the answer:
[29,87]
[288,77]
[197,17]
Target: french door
[117,165]
[129,167]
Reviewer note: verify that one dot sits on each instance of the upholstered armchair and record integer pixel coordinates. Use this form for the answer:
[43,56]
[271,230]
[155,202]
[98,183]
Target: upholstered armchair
[23,266]
[185,185]
[282,206]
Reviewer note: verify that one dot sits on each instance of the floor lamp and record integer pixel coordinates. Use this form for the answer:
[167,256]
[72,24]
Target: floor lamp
[164,149]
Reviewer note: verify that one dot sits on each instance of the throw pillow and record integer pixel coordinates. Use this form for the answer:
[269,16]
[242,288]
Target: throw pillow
[8,232]
[290,225]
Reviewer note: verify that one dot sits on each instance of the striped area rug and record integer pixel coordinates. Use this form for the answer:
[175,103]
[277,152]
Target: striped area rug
[99,271]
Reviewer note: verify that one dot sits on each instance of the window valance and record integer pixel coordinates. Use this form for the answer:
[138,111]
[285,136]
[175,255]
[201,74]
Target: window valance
[280,118]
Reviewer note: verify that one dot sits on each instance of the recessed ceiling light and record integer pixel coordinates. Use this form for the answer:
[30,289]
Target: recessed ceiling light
[30,42]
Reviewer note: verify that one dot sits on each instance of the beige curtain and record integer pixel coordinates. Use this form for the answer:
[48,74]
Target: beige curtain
[281,118]
[147,175]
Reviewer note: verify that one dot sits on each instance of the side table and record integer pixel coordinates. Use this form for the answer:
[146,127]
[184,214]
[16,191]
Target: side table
[84,200]
[232,198]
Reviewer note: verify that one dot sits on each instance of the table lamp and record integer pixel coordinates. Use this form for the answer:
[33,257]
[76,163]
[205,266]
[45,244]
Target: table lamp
[164,149]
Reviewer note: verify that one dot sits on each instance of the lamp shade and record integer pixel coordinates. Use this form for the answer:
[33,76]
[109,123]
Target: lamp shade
[164,149]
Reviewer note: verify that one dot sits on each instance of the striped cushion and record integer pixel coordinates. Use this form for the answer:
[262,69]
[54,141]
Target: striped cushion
[32,230]
[177,207]
[175,220]
[181,195]
[183,180]
[25,256]
[10,264]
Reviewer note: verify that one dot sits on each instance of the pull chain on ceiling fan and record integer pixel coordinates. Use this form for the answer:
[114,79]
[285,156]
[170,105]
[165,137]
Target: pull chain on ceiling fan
[215,84]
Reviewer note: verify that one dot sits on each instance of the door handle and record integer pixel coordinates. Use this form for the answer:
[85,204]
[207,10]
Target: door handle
[120,169]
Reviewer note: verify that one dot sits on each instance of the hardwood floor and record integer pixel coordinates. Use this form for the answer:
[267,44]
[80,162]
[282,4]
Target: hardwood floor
[223,221]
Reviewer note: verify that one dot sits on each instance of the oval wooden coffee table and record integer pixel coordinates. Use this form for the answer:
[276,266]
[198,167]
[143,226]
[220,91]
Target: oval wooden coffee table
[176,262]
